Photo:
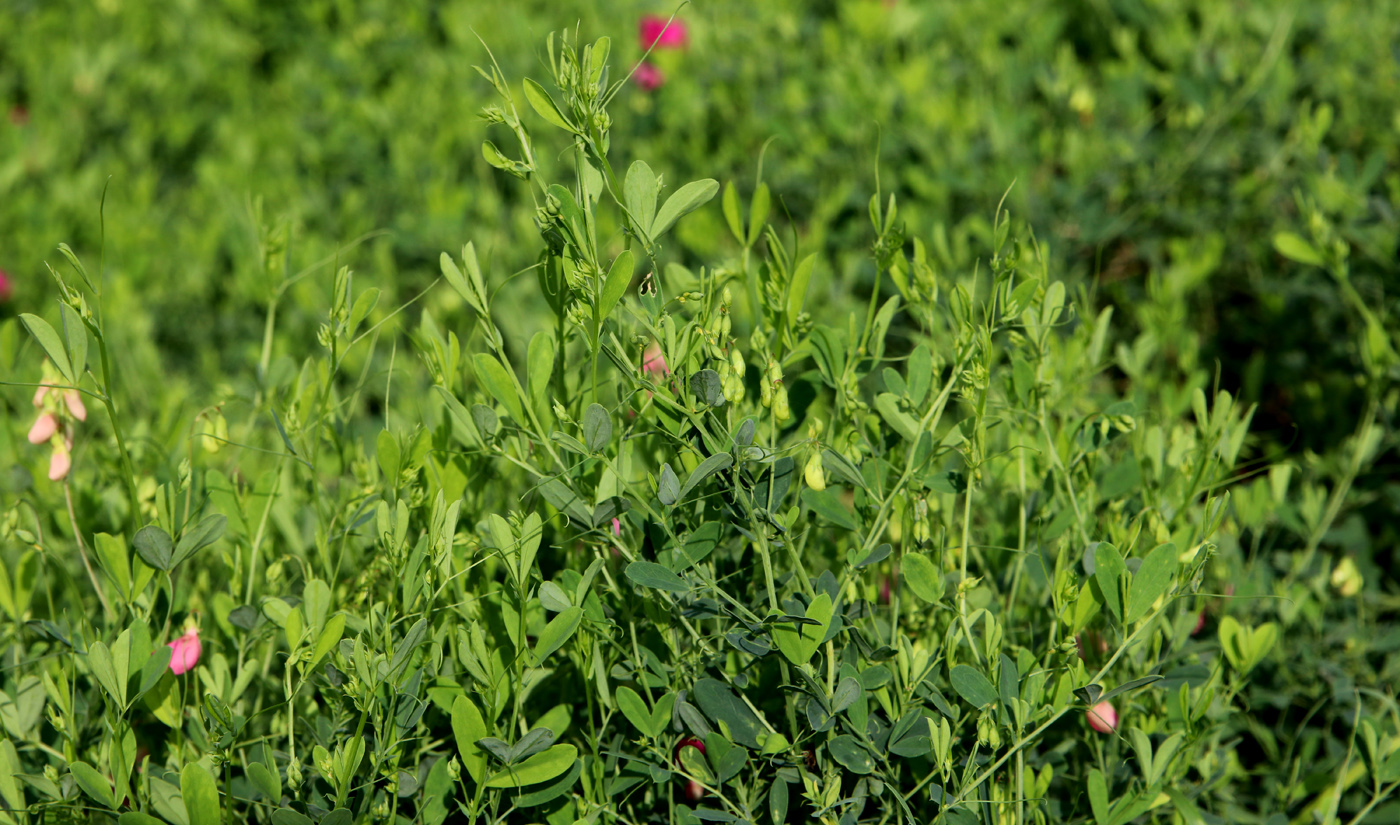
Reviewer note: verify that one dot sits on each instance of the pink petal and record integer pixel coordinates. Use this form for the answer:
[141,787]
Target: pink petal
[617,527]
[648,77]
[655,30]
[184,652]
[1103,717]
[653,362]
[44,428]
[39,396]
[6,287]
[60,463]
[75,404]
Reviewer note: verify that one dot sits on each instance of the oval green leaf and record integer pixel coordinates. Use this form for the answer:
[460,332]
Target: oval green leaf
[541,767]
[972,686]
[651,574]
[922,577]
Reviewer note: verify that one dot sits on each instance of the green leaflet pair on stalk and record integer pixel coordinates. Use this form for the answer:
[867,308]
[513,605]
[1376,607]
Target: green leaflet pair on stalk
[587,583]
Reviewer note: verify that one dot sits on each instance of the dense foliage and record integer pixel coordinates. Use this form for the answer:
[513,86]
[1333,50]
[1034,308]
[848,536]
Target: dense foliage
[829,492]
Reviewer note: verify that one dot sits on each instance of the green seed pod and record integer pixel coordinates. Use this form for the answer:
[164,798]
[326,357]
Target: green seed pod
[780,404]
[813,473]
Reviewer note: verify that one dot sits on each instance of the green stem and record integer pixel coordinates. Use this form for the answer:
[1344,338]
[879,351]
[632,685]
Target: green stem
[130,471]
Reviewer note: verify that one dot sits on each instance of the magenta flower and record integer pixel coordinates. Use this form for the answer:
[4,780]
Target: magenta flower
[694,792]
[1103,717]
[648,77]
[617,527]
[7,287]
[655,30]
[184,651]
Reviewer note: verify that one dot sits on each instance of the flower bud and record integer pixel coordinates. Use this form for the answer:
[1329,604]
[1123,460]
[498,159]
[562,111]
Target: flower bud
[60,462]
[75,404]
[1103,717]
[184,651]
[44,428]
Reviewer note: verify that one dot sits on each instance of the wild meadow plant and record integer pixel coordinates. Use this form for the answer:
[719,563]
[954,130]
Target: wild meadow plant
[693,554]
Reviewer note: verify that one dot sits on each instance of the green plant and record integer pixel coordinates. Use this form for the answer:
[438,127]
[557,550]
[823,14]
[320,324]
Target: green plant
[695,548]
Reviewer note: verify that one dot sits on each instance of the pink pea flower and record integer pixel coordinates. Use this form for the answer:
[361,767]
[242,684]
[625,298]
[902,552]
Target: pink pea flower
[655,30]
[7,287]
[184,651]
[1200,623]
[75,404]
[44,428]
[648,77]
[39,396]
[61,461]
[693,790]
[1103,717]
[617,527]
[654,363]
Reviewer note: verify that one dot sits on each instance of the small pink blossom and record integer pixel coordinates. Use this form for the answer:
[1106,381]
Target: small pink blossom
[694,791]
[60,462]
[44,428]
[184,651]
[1200,623]
[648,77]
[7,287]
[617,527]
[655,30]
[886,586]
[39,396]
[1103,717]
[654,363]
[75,404]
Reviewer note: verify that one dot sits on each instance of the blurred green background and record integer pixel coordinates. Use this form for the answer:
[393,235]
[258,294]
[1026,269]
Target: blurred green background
[1149,141]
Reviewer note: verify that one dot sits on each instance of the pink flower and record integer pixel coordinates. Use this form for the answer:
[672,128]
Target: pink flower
[617,527]
[885,589]
[654,363]
[184,651]
[1200,623]
[1103,718]
[648,77]
[693,790]
[654,30]
[75,404]
[44,428]
[39,396]
[7,288]
[60,462]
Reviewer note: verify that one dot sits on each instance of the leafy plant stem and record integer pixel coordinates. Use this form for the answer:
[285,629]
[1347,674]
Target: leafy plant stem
[962,573]
[1044,726]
